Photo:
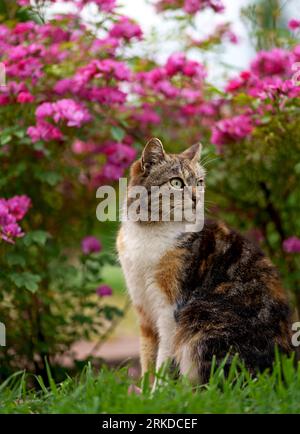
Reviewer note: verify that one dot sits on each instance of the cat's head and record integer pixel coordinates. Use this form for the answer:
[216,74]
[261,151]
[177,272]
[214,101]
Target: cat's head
[174,174]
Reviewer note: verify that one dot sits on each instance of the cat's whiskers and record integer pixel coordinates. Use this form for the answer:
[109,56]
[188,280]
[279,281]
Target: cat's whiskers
[208,161]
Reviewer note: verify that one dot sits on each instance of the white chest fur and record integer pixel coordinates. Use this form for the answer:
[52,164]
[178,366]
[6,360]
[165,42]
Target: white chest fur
[143,247]
[140,251]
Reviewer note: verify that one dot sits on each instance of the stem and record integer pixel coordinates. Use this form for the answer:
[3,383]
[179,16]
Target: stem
[272,211]
[11,9]
[276,219]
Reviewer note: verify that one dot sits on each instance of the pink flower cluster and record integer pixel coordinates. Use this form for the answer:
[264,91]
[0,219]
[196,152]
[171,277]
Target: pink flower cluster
[231,130]
[98,81]
[25,61]
[194,6]
[104,5]
[294,24]
[178,63]
[190,6]
[263,88]
[268,69]
[118,157]
[104,291]
[221,33]
[68,110]
[268,81]
[90,244]
[11,212]
[274,62]
[126,29]
[146,115]
[15,92]
[159,79]
[105,45]
[102,82]
[106,68]
[119,154]
[292,245]
[174,90]
[74,113]
[44,131]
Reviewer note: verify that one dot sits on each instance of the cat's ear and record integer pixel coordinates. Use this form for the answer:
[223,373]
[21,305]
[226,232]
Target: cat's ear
[153,153]
[193,153]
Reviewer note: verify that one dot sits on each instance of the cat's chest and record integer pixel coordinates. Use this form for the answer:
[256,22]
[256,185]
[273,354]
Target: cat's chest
[141,248]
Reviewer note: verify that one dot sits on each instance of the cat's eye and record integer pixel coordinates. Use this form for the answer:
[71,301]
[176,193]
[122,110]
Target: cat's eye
[177,183]
[200,182]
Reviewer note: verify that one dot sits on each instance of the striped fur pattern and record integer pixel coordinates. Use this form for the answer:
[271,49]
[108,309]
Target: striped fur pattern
[199,294]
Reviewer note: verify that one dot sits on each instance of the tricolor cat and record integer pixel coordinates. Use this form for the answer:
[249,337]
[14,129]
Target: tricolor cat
[198,294]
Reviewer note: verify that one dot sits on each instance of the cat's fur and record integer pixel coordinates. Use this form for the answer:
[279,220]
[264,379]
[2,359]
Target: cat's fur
[198,294]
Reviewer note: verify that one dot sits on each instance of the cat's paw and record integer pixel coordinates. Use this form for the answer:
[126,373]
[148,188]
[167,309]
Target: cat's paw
[133,389]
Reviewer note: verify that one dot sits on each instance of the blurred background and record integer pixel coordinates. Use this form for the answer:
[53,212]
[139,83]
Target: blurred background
[87,83]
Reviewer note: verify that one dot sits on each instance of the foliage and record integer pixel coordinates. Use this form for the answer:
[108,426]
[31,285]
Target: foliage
[52,305]
[49,291]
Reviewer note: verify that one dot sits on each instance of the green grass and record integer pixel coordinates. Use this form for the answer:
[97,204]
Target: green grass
[107,391]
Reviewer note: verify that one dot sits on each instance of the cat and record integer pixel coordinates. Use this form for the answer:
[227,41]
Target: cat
[198,294]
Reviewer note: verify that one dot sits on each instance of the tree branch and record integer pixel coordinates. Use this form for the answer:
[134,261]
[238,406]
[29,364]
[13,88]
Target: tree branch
[272,211]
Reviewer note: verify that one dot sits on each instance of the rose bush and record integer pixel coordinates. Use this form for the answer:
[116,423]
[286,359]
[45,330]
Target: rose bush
[258,143]
[77,107]
[60,137]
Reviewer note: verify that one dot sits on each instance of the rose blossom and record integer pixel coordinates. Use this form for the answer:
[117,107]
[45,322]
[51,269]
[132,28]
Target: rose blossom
[294,24]
[104,291]
[90,244]
[291,245]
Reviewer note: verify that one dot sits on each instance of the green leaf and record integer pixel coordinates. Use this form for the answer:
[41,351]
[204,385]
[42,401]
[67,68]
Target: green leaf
[41,146]
[214,89]
[110,312]
[13,258]
[51,178]
[297,168]
[20,133]
[243,99]
[36,237]
[265,119]
[82,319]
[117,133]
[26,280]
[5,138]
